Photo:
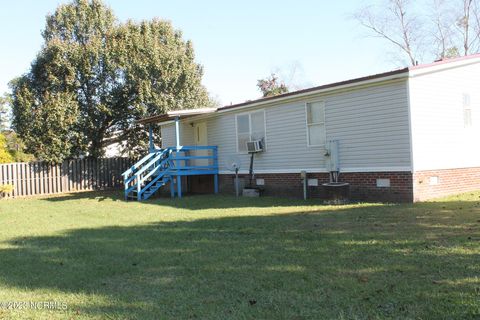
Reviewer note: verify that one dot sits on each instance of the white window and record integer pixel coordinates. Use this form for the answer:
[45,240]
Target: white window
[467,111]
[467,118]
[250,127]
[315,123]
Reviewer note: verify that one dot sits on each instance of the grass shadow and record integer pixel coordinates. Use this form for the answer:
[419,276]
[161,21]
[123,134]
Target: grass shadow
[372,262]
[190,202]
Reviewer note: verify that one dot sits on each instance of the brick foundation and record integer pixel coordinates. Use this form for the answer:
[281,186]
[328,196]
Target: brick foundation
[363,185]
[404,187]
[450,181]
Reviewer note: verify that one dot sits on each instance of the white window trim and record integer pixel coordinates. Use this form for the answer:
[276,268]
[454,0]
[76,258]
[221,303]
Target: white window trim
[307,125]
[465,126]
[467,106]
[250,128]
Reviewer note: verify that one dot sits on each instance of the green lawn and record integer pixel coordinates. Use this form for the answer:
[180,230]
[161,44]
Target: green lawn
[215,257]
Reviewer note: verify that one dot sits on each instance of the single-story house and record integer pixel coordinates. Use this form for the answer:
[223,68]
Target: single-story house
[405,135]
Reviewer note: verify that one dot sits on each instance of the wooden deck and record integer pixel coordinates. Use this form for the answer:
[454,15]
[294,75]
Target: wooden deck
[166,166]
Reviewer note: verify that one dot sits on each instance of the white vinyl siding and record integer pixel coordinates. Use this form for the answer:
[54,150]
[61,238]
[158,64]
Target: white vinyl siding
[250,127]
[168,135]
[440,105]
[371,124]
[441,132]
[315,123]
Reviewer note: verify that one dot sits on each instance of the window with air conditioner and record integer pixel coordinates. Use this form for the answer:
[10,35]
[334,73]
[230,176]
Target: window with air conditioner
[315,112]
[250,127]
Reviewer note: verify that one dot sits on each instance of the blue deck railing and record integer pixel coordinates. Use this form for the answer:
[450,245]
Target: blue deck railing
[162,166]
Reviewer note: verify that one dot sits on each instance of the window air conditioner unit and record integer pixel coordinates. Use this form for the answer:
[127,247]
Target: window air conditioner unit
[254,146]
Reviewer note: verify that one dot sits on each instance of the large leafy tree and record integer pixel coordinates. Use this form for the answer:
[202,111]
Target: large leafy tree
[4,111]
[95,76]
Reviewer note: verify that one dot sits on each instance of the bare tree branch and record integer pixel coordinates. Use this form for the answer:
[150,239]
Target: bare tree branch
[395,25]
[465,22]
[467,26]
[475,14]
[442,32]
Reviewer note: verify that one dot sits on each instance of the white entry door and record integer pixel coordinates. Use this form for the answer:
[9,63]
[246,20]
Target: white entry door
[200,136]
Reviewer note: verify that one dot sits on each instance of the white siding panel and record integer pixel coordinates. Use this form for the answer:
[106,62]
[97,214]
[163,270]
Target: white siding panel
[168,134]
[371,124]
[186,134]
[440,140]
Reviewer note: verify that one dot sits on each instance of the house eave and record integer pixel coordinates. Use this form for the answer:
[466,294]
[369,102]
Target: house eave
[172,115]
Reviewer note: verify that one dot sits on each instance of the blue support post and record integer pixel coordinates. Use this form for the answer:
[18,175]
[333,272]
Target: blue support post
[215,163]
[150,138]
[179,186]
[172,188]
[179,178]
[215,183]
[125,187]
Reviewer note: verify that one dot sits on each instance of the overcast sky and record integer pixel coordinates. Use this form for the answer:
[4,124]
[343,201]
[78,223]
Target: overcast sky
[236,42]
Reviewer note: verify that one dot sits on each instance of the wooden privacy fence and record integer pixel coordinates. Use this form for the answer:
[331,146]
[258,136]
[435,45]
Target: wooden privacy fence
[36,178]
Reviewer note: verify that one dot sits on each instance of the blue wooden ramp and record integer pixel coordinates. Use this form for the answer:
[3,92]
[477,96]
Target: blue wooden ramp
[167,166]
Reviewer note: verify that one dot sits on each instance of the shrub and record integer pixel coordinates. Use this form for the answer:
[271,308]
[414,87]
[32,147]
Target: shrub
[6,189]
[5,155]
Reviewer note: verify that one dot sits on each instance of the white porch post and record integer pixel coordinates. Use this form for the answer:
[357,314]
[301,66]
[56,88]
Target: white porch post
[177,131]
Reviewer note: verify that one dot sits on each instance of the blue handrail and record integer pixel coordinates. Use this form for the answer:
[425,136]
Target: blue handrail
[151,162]
[138,164]
[159,167]
[154,170]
